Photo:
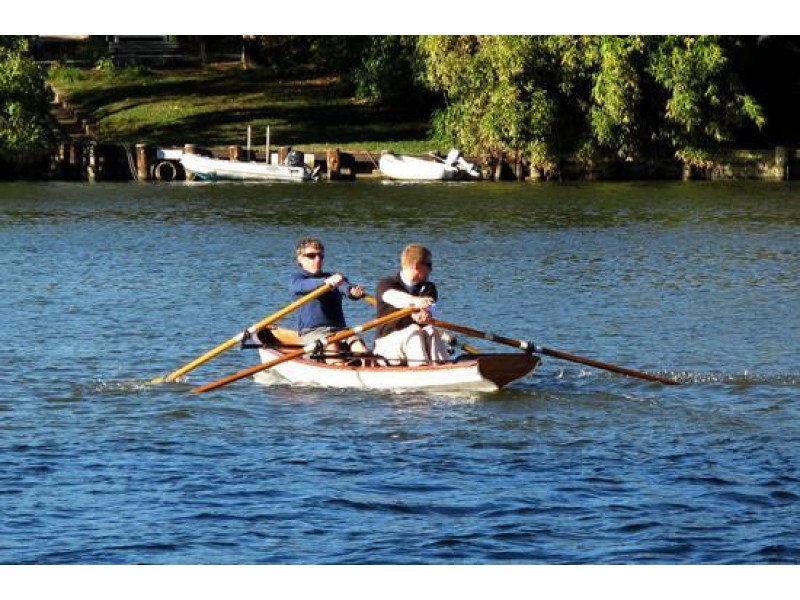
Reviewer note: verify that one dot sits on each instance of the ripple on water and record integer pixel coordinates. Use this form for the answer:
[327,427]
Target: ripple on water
[571,465]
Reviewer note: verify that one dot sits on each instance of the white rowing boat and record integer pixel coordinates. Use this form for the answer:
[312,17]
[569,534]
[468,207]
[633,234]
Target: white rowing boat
[482,372]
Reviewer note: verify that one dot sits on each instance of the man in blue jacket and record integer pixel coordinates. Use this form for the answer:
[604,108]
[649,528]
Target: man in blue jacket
[322,316]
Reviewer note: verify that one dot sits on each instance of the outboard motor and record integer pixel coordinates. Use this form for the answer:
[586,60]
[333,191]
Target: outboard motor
[469,168]
[295,158]
[452,157]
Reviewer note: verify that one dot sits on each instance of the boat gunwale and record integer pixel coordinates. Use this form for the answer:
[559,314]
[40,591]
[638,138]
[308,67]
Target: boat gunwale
[461,362]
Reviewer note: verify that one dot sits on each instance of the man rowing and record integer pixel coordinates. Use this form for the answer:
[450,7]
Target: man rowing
[322,316]
[410,340]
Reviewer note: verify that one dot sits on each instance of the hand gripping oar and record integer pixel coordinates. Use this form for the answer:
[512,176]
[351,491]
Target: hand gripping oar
[238,338]
[467,347]
[336,337]
[531,347]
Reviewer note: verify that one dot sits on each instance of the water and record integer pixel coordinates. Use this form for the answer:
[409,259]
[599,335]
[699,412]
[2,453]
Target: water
[107,286]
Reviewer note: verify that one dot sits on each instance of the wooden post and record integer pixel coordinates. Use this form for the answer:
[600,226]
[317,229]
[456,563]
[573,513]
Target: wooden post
[143,162]
[782,161]
[75,160]
[283,152]
[74,154]
[93,166]
[235,153]
[61,161]
[89,127]
[334,162]
[189,149]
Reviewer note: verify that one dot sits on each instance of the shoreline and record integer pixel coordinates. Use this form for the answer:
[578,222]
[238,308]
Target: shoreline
[95,161]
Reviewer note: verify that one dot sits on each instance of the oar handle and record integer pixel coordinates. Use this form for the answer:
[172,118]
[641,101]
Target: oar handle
[467,348]
[336,337]
[526,346]
[256,327]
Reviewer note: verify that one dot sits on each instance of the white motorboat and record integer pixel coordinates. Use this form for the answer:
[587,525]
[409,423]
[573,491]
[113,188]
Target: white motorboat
[452,168]
[215,169]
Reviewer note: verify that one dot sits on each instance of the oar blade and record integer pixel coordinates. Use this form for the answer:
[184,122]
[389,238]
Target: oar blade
[606,366]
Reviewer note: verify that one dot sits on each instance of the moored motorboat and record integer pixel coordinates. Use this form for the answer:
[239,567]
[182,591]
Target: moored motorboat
[214,169]
[481,372]
[452,168]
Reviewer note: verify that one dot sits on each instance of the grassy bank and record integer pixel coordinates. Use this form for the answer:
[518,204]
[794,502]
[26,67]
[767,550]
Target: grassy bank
[213,106]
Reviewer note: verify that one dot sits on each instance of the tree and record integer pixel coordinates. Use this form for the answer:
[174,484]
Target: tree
[24,104]
[388,72]
[504,94]
[556,97]
[704,103]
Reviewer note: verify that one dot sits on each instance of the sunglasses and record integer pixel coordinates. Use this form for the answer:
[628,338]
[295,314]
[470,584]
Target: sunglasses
[428,264]
[313,255]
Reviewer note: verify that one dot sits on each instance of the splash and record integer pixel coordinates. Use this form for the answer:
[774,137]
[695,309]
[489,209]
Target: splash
[745,378]
[128,386]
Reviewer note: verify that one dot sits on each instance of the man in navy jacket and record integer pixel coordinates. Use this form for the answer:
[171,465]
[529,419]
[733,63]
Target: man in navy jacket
[322,316]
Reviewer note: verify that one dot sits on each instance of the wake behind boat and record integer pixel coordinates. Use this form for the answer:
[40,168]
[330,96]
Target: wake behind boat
[483,372]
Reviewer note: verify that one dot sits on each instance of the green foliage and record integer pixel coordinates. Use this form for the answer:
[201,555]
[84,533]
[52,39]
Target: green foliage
[704,102]
[551,97]
[308,55]
[24,104]
[212,106]
[106,63]
[104,70]
[546,98]
[502,94]
[388,73]
[59,73]
[15,42]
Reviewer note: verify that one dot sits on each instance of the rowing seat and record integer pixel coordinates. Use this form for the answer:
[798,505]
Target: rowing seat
[278,336]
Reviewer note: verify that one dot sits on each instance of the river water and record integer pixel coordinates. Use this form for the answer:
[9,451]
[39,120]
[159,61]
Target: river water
[107,286]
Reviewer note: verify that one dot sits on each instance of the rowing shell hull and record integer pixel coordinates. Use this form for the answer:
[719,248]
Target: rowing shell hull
[484,373]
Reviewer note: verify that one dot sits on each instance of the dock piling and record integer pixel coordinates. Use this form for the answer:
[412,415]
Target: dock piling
[144,156]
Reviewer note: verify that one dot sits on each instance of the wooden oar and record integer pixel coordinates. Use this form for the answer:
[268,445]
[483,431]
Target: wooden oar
[531,347]
[238,338]
[336,337]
